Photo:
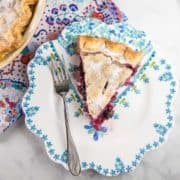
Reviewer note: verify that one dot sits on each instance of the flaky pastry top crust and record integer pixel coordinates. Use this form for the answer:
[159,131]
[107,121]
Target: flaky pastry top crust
[94,44]
[107,65]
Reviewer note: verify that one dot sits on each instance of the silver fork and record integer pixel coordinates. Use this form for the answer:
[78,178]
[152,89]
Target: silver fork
[61,84]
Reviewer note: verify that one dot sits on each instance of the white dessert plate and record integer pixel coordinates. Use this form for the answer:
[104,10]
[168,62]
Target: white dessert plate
[143,111]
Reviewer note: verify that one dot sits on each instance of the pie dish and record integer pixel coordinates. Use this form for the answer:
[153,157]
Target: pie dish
[15,15]
[105,67]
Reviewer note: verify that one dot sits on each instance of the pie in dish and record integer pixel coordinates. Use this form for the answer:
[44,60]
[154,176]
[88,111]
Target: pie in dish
[15,15]
[105,67]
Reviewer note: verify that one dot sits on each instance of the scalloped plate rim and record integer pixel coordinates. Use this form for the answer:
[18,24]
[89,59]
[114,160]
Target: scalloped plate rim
[64,165]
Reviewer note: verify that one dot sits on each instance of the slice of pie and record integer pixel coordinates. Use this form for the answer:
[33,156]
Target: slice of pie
[106,66]
[15,15]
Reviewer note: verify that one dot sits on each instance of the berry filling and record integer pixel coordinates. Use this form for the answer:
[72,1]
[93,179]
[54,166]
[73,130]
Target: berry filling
[128,82]
[80,83]
[107,112]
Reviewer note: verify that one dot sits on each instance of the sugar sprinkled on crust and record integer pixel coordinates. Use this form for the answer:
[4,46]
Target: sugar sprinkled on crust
[106,66]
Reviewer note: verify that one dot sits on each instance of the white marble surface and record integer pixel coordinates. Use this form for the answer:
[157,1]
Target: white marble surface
[22,155]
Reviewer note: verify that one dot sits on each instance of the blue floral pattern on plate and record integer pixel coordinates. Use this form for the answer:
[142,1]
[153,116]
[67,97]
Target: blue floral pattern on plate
[153,71]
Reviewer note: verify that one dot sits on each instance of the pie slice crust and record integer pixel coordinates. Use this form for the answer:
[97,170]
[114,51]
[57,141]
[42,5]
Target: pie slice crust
[105,66]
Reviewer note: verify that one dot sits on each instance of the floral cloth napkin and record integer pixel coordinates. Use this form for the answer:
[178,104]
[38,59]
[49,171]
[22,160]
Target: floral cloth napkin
[57,14]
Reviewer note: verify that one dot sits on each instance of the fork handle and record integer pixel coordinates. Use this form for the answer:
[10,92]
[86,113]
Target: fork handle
[73,157]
